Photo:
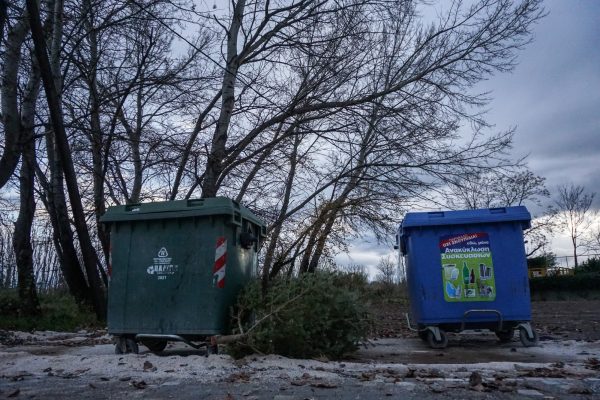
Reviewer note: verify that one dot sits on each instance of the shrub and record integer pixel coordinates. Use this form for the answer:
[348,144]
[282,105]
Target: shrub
[314,315]
[578,282]
[354,281]
[59,313]
[589,266]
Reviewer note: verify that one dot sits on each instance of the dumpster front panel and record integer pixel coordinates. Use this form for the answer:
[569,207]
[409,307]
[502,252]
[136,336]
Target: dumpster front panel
[452,269]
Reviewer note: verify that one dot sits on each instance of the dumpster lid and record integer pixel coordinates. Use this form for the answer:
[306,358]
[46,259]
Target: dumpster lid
[179,209]
[466,217]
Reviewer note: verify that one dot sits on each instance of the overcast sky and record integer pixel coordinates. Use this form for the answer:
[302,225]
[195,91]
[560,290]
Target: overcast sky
[553,96]
[553,99]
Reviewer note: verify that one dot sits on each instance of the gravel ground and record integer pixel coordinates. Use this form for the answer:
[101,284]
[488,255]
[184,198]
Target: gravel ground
[394,364]
[94,371]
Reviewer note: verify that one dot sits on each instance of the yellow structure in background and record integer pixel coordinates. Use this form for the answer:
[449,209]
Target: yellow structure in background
[560,271]
[537,272]
[540,271]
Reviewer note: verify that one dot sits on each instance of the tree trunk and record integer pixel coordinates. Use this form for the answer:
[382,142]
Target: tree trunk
[336,205]
[134,143]
[574,240]
[3,18]
[22,236]
[278,225]
[87,249]
[214,165]
[312,241]
[23,248]
[62,235]
[11,61]
[320,244]
[22,244]
[96,131]
[185,154]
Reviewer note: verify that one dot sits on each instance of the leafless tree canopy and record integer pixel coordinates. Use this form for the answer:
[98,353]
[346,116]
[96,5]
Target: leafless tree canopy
[575,215]
[387,271]
[503,187]
[328,118]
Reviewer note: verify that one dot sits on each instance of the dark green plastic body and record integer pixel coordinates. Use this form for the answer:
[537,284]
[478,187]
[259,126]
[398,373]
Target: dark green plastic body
[162,277]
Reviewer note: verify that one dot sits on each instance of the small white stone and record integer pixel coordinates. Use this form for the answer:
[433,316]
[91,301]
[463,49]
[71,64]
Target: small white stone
[529,393]
[171,383]
[406,385]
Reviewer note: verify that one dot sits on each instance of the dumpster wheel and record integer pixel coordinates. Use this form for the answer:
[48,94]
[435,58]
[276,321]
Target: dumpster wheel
[154,345]
[528,339]
[435,343]
[126,345]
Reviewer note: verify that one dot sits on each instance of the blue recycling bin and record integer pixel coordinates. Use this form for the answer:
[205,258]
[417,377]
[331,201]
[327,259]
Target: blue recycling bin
[467,270]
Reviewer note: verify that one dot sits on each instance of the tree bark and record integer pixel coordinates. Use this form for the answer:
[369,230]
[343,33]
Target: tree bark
[278,225]
[9,94]
[96,137]
[23,248]
[312,242]
[214,165]
[87,249]
[22,244]
[134,143]
[3,18]
[62,235]
[320,244]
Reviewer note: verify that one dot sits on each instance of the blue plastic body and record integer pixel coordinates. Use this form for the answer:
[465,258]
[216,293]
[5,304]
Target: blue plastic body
[421,238]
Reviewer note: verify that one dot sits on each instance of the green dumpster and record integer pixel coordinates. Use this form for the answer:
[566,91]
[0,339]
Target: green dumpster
[176,268]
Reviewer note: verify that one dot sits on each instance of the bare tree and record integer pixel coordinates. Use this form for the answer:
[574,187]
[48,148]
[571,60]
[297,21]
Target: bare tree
[387,271]
[448,54]
[11,61]
[592,240]
[501,187]
[327,118]
[23,225]
[3,17]
[90,258]
[18,115]
[575,213]
[505,187]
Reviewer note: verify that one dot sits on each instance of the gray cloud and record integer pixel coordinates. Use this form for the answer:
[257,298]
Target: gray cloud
[553,96]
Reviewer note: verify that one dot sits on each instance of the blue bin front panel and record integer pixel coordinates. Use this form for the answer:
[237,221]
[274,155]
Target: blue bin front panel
[425,274]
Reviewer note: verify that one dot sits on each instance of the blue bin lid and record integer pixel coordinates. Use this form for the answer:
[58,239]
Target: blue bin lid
[468,217]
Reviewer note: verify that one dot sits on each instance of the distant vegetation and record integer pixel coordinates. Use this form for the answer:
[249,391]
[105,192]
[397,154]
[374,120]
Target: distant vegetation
[586,279]
[59,313]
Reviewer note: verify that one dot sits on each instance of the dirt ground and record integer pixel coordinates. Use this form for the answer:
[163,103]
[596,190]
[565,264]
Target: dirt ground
[394,364]
[553,320]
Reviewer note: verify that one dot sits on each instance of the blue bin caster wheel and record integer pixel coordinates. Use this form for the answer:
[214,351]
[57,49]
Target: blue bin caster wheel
[526,339]
[437,344]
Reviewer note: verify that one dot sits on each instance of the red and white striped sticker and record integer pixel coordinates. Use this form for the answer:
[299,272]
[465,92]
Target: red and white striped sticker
[220,263]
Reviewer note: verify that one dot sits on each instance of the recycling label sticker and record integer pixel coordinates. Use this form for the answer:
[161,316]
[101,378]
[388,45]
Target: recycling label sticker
[162,265]
[467,268]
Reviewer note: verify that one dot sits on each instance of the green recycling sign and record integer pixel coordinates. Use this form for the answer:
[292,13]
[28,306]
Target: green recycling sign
[467,267]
